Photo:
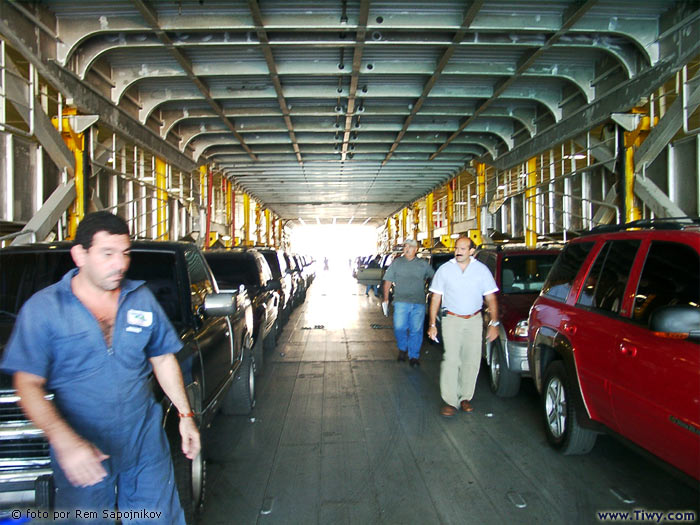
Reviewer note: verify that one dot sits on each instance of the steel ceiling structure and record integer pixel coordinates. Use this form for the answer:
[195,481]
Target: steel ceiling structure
[354,108]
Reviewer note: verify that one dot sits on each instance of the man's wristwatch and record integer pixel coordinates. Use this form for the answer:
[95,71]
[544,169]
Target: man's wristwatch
[433,326]
[494,323]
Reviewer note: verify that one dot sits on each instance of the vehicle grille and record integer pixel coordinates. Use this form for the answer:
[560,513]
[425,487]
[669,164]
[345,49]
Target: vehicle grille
[29,448]
[13,424]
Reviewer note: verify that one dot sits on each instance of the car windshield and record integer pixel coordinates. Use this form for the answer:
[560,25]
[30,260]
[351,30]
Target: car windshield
[438,259]
[24,274]
[233,269]
[525,273]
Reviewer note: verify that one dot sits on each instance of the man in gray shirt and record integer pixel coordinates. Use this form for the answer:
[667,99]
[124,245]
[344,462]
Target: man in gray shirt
[408,273]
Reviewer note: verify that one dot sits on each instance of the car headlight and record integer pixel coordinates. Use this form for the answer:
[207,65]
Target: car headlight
[521,328]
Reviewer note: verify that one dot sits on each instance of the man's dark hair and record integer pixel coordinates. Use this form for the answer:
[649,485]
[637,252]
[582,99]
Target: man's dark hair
[99,221]
[472,244]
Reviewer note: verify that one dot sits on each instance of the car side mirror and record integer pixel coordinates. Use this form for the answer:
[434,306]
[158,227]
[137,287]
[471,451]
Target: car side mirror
[676,322]
[220,304]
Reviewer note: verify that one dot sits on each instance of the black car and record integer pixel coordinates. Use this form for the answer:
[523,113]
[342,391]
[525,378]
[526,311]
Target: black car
[233,269]
[215,329]
[279,268]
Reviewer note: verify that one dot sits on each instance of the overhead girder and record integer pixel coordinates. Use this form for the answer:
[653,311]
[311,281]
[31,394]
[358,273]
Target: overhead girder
[240,28]
[621,99]
[502,128]
[523,114]
[152,97]
[579,75]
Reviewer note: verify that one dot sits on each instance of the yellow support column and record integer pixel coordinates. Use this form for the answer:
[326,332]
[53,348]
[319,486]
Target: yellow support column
[475,235]
[229,213]
[246,220]
[396,229]
[429,199]
[416,220]
[76,143]
[258,224]
[633,139]
[404,225]
[267,227]
[447,240]
[162,198]
[531,204]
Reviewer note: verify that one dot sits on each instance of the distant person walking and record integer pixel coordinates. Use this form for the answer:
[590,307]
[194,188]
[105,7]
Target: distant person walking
[408,274]
[374,263]
[461,285]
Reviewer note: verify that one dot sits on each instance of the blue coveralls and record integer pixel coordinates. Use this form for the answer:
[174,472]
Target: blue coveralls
[104,394]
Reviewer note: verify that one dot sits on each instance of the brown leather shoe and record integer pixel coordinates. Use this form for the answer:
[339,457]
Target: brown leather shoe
[448,411]
[466,406]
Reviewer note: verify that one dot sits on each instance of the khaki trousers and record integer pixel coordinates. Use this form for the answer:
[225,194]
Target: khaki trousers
[462,358]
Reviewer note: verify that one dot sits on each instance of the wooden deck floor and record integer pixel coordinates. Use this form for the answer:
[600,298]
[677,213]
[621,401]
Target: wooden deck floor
[343,433]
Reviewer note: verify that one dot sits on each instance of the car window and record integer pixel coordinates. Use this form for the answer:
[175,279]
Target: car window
[525,273]
[200,283]
[605,284]
[24,274]
[564,271]
[489,259]
[671,276]
[158,270]
[232,270]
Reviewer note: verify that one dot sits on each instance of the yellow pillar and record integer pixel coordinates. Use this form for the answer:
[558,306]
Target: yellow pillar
[404,226]
[258,224]
[76,143]
[280,233]
[475,235]
[632,212]
[429,199]
[202,183]
[162,198]
[396,229]
[447,239]
[531,204]
[416,220]
[267,227]
[246,220]
[229,212]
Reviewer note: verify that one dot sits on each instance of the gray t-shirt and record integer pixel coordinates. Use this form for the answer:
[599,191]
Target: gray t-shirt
[409,279]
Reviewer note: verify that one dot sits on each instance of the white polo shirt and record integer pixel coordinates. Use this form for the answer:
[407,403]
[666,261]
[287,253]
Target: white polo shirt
[463,291]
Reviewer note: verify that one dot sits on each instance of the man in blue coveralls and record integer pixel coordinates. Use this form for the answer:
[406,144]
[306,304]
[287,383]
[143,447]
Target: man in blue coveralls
[92,339]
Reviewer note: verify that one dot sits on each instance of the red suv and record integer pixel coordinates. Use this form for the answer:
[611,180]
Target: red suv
[613,340]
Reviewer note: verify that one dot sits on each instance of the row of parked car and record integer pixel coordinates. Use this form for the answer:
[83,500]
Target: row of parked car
[608,328]
[227,306]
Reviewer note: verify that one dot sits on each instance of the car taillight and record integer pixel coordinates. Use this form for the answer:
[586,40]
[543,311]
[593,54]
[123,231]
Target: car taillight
[521,328]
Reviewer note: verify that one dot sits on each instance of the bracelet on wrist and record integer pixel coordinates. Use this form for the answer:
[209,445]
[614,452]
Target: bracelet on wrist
[189,414]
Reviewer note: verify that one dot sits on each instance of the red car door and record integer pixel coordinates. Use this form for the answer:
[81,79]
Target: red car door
[596,321]
[656,380]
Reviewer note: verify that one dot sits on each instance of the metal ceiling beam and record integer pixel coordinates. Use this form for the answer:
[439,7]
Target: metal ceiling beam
[360,34]
[272,71]
[626,96]
[526,61]
[439,68]
[151,17]
[661,134]
[14,28]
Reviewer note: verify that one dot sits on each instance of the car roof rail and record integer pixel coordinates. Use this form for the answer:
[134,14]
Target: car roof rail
[660,223]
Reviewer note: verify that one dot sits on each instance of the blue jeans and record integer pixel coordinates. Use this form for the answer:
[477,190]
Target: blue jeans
[408,327]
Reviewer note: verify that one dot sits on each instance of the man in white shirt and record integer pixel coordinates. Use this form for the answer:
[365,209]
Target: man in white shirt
[462,285]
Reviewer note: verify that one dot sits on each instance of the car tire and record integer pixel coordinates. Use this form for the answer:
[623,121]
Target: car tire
[271,340]
[503,381]
[190,478]
[240,398]
[258,355]
[561,426]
